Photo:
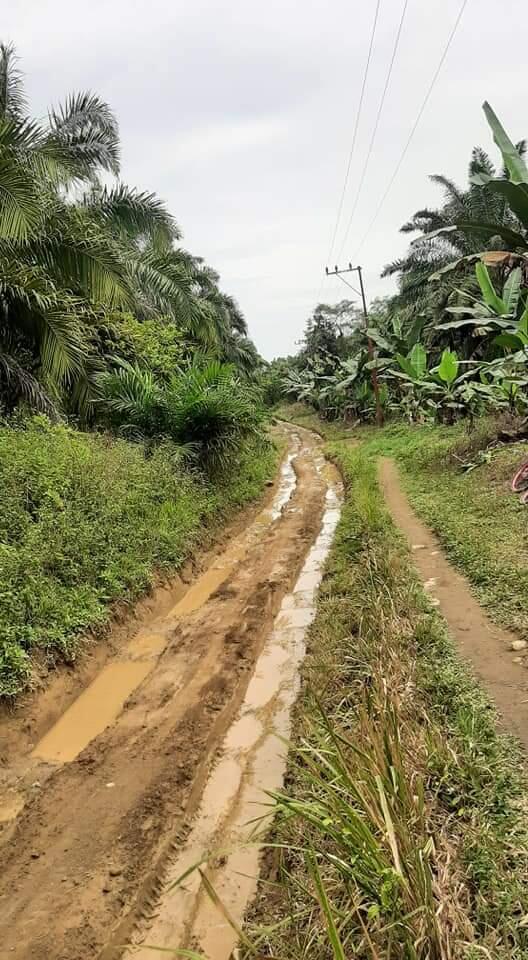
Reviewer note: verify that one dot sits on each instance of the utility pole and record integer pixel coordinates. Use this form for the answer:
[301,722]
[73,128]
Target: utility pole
[373,373]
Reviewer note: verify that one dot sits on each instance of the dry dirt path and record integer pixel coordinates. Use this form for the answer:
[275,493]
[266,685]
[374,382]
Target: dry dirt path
[165,752]
[486,646]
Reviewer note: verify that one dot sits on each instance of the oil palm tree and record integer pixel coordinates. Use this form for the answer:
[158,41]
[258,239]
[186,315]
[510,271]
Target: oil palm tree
[440,240]
[71,248]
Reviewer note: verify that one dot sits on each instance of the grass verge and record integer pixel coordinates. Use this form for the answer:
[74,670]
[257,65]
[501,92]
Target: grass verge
[481,524]
[87,521]
[402,831]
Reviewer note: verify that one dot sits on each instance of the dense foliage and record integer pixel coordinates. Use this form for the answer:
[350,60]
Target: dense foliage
[86,260]
[453,341]
[206,410]
[108,324]
[87,520]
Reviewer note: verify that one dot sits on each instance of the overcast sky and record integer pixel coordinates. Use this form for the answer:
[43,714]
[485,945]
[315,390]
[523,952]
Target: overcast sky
[240,116]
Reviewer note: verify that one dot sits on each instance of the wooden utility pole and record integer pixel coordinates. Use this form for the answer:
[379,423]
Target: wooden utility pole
[373,373]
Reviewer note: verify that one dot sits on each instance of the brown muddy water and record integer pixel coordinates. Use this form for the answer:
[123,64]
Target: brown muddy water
[251,763]
[167,753]
[98,706]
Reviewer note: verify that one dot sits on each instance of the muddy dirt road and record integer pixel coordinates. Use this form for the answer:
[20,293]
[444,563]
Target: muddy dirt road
[167,749]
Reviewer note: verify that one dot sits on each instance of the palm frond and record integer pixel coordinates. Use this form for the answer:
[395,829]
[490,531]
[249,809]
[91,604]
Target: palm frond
[480,162]
[452,193]
[425,221]
[168,287]
[62,346]
[132,398]
[86,128]
[13,101]
[81,257]
[20,210]
[20,382]
[133,212]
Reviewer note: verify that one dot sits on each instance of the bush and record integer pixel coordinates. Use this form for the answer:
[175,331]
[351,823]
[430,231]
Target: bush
[87,520]
[205,409]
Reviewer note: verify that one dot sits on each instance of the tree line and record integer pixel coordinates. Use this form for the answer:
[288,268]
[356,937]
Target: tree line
[453,340]
[103,312]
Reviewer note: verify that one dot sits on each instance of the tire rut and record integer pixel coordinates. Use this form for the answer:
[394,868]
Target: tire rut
[88,852]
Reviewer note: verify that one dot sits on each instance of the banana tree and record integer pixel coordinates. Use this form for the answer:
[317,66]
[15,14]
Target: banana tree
[502,317]
[442,392]
[407,372]
[513,189]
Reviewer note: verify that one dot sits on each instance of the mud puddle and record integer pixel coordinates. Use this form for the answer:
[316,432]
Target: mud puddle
[103,699]
[86,855]
[98,706]
[251,763]
[483,643]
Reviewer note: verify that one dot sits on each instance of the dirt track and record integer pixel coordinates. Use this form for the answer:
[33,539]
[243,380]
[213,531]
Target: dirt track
[87,851]
[483,643]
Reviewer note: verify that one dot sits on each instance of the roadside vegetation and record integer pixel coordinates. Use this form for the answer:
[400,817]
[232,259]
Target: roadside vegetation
[88,521]
[402,829]
[458,480]
[453,341]
[131,397]
[450,353]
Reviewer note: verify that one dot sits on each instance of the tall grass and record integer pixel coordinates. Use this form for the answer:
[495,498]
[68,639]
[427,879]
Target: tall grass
[402,830]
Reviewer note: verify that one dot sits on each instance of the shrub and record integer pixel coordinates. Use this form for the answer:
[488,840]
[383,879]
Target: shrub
[86,520]
[206,409]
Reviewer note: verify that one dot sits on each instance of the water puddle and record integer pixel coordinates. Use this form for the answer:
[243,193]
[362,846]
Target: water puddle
[252,762]
[102,701]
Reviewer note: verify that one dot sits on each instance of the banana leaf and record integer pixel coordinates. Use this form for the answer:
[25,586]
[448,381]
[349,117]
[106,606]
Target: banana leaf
[418,359]
[512,158]
[448,366]
[512,291]
[457,324]
[508,340]
[491,297]
[487,230]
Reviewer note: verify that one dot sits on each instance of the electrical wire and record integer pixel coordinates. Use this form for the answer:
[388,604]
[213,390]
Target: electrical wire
[375,130]
[354,138]
[413,129]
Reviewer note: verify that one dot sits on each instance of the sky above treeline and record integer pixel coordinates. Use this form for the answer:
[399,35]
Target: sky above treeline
[240,115]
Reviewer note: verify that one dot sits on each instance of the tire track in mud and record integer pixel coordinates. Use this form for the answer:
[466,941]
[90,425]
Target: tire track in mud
[88,853]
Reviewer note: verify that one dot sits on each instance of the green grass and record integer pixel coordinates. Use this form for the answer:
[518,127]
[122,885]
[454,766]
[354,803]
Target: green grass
[402,829]
[481,524]
[86,521]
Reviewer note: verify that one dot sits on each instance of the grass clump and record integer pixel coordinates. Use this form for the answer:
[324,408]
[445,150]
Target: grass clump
[402,830]
[88,520]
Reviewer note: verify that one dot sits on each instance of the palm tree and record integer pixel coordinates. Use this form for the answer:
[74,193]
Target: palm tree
[53,263]
[433,250]
[72,249]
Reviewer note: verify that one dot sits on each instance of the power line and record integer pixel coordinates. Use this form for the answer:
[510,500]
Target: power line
[376,125]
[355,133]
[414,127]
